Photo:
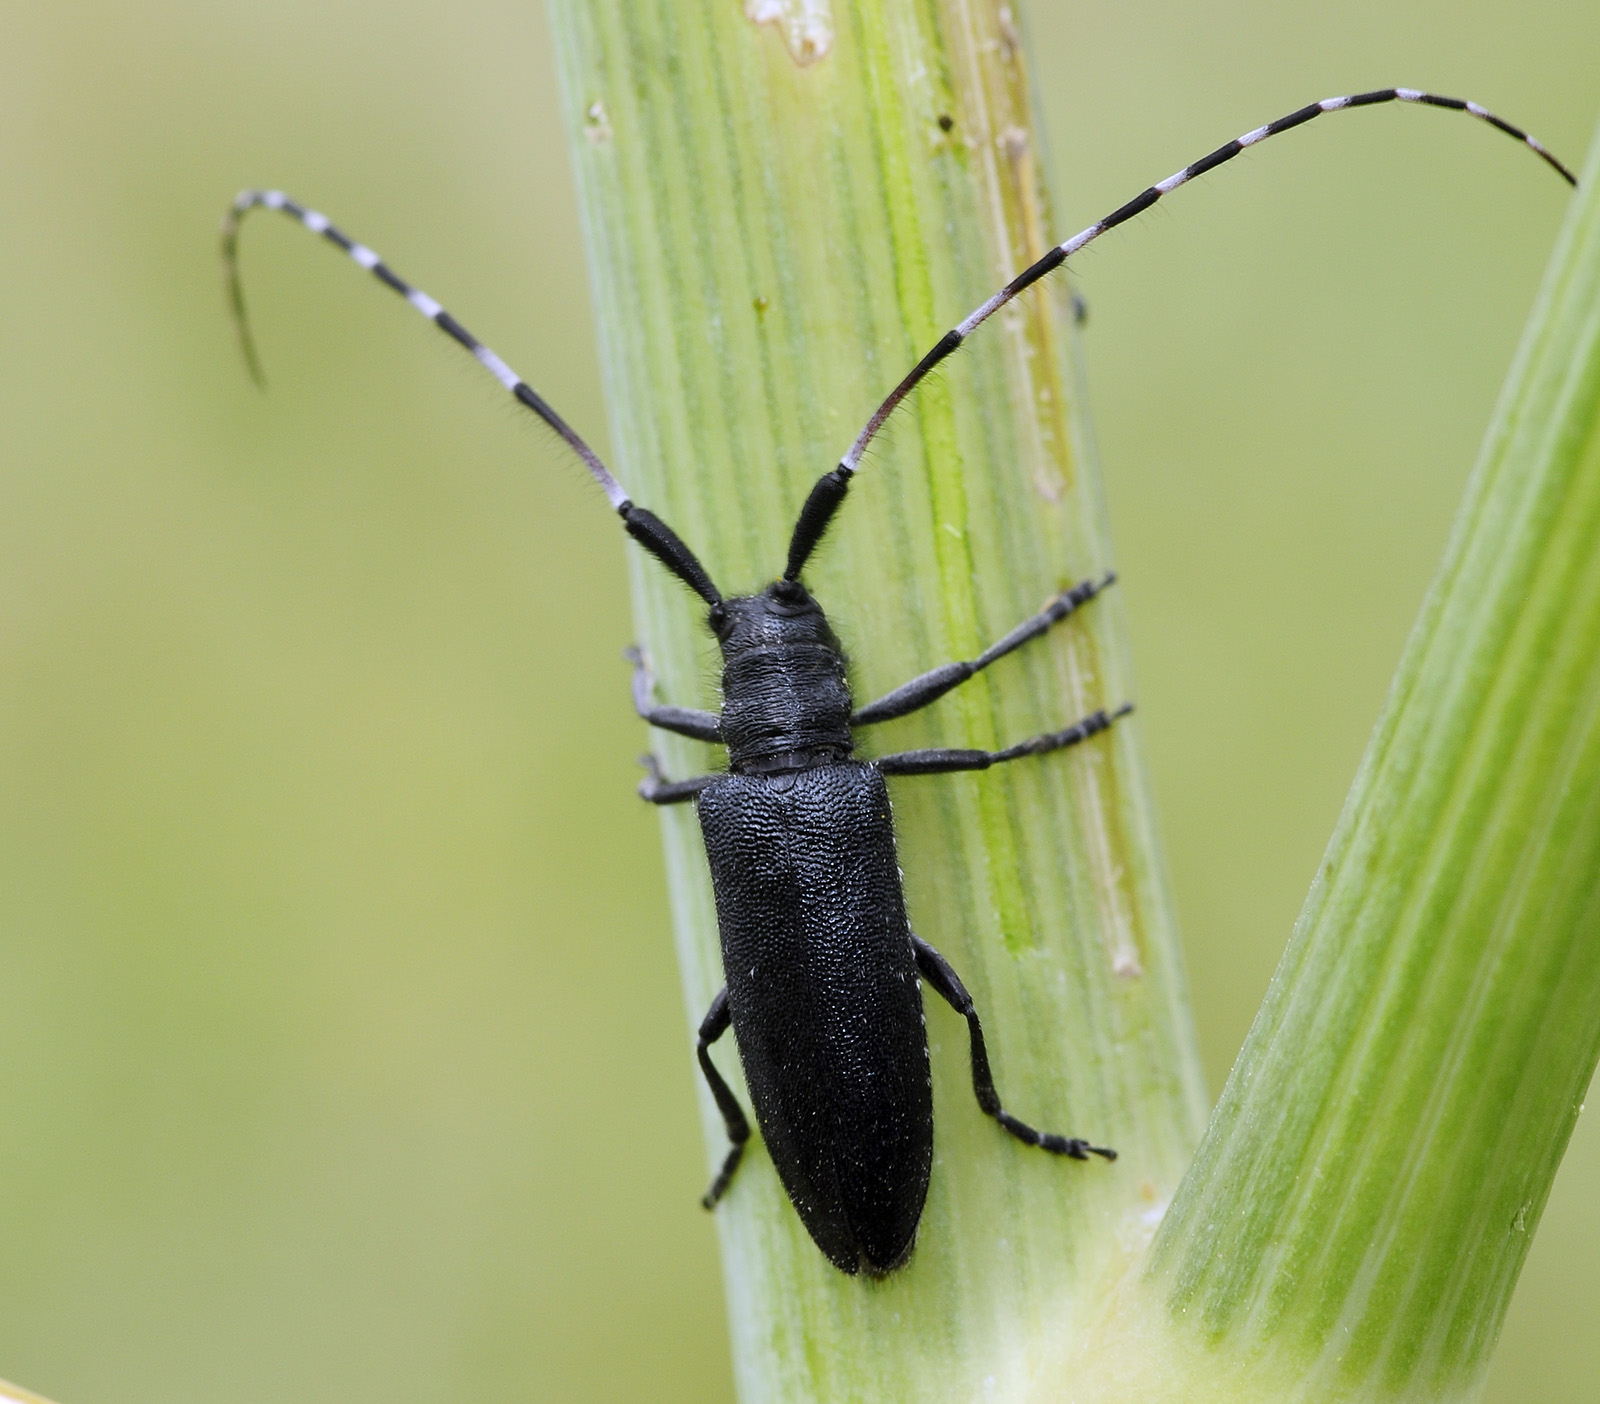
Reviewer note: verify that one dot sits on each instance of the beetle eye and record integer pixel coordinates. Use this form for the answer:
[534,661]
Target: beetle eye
[717,618]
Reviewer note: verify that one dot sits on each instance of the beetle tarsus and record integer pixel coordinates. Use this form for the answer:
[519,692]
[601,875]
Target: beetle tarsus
[1074,1147]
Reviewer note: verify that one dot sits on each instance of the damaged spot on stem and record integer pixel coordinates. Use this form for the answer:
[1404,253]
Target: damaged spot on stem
[806,25]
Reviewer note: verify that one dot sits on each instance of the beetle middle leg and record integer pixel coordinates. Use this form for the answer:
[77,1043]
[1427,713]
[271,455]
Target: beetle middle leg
[937,972]
[932,685]
[940,760]
[656,788]
[712,1027]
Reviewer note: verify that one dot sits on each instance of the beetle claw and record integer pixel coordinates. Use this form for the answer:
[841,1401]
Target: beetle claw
[653,779]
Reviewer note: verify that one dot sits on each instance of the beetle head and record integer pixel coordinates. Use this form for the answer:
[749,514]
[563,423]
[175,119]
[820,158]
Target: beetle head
[783,614]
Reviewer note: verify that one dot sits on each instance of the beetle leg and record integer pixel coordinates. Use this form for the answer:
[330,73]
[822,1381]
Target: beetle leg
[712,1027]
[686,721]
[940,760]
[932,685]
[656,788]
[937,972]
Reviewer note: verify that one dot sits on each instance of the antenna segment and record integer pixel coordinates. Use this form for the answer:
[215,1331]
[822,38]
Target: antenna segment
[953,338]
[524,394]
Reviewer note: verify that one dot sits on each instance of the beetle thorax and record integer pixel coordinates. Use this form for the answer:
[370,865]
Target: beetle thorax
[785,701]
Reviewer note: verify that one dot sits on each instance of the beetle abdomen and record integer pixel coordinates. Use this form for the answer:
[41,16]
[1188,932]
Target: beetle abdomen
[827,1011]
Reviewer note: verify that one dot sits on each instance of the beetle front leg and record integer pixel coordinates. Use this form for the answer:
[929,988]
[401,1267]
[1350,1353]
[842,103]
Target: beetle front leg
[656,788]
[941,760]
[686,721]
[712,1027]
[937,972]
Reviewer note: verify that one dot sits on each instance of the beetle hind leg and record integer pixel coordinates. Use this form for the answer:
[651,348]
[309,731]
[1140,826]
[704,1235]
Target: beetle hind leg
[937,972]
[712,1027]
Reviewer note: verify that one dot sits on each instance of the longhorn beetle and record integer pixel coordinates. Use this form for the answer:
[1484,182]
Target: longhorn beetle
[823,991]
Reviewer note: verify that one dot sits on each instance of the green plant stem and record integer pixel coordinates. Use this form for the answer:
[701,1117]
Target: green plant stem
[1356,1217]
[779,224]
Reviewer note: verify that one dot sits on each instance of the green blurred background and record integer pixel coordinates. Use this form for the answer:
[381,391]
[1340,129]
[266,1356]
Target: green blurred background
[343,1056]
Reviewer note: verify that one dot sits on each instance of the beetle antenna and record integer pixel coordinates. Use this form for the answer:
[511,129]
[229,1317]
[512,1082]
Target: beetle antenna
[830,490]
[645,527]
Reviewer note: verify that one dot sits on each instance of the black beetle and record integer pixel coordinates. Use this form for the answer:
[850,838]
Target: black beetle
[822,967]
[820,960]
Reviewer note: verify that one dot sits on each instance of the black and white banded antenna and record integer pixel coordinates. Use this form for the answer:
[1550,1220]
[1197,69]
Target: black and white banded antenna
[645,527]
[830,489]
